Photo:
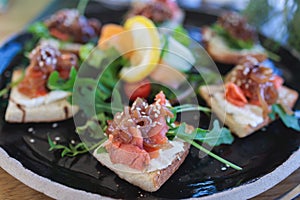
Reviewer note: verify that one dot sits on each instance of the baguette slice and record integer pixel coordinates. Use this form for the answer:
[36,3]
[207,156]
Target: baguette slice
[233,119]
[220,52]
[149,181]
[50,112]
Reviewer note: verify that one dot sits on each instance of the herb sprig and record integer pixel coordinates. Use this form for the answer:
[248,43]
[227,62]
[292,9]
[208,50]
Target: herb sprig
[73,150]
[214,137]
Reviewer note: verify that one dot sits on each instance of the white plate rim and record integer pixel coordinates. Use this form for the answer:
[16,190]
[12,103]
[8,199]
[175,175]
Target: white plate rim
[60,191]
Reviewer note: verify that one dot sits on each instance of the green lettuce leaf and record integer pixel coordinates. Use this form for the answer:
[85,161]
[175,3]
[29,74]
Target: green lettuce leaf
[57,83]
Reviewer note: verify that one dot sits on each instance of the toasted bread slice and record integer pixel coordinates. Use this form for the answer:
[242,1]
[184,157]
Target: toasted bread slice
[53,111]
[220,52]
[147,180]
[159,170]
[236,119]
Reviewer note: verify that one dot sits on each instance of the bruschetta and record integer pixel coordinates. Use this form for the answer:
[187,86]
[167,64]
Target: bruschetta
[67,30]
[31,100]
[161,12]
[231,38]
[137,149]
[246,98]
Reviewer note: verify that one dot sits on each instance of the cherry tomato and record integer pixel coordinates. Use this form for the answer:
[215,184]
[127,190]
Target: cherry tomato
[140,89]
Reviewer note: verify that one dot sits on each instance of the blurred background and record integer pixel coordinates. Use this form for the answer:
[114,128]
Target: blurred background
[276,19]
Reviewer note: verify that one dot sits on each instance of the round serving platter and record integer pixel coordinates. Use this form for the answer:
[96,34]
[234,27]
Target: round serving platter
[267,157]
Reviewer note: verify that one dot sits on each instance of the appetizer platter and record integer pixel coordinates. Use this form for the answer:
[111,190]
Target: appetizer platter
[144,149]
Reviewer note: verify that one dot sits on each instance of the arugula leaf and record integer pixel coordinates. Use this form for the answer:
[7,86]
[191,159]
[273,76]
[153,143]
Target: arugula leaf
[92,126]
[214,137]
[38,30]
[181,35]
[290,121]
[84,95]
[85,51]
[116,102]
[110,62]
[57,83]
[232,42]
[87,91]
[93,55]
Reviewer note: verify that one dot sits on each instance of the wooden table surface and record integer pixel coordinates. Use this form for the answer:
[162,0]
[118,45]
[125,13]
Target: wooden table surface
[18,14]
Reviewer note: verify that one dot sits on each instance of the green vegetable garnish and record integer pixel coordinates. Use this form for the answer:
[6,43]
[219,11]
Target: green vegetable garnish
[290,121]
[214,137]
[39,30]
[85,51]
[57,83]
[82,6]
[73,150]
[233,43]
[181,35]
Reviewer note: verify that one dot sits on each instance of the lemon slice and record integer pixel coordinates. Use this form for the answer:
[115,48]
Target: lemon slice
[146,49]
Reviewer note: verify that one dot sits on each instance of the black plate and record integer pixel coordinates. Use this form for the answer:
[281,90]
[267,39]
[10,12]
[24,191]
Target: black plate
[258,154]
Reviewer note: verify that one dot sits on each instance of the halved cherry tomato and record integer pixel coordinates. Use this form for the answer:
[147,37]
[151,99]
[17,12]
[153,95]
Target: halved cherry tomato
[234,95]
[140,89]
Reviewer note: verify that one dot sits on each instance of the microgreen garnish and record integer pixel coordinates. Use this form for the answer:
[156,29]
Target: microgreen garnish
[73,150]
